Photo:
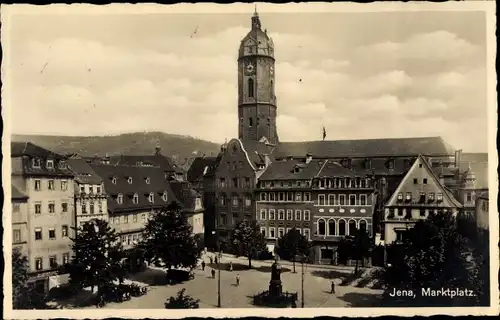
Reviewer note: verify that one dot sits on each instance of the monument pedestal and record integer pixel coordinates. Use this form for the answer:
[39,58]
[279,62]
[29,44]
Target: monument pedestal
[275,288]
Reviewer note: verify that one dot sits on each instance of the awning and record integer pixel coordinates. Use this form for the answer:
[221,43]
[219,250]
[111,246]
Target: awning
[56,281]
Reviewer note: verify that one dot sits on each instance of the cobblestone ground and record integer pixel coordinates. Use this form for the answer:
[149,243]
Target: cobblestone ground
[317,284]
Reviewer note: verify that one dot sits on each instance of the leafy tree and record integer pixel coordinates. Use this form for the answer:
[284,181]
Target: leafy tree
[248,239]
[168,238]
[24,295]
[182,301]
[97,255]
[291,245]
[434,255]
[361,247]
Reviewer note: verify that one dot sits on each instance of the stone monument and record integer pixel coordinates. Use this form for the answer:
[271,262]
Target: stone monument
[275,286]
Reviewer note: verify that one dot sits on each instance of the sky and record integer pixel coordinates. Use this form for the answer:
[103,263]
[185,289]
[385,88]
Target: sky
[358,74]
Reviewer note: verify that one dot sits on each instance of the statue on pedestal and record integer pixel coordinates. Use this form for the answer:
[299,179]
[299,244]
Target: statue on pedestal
[275,287]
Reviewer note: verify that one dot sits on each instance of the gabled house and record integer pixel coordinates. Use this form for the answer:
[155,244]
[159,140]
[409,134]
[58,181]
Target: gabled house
[419,193]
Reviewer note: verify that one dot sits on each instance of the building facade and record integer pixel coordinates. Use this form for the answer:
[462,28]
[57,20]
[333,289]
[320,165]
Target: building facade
[482,211]
[44,178]
[19,220]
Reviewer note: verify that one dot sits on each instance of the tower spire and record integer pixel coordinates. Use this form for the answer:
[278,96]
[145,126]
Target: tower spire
[256,19]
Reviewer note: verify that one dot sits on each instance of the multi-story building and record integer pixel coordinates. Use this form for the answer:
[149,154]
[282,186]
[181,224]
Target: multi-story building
[482,211]
[44,178]
[419,193]
[19,220]
[90,196]
[133,192]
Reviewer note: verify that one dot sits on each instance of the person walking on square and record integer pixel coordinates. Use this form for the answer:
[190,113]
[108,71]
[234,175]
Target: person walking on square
[333,287]
[213,273]
[216,260]
[230,266]
[211,260]
[203,265]
[238,280]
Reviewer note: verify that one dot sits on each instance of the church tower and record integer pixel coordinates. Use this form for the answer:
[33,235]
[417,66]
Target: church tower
[256,96]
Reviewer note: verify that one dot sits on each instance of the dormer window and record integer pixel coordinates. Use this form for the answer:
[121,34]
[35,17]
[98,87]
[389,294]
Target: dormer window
[408,196]
[119,199]
[368,164]
[400,196]
[151,197]
[422,197]
[113,180]
[165,196]
[439,197]
[390,164]
[135,199]
[37,163]
[129,180]
[50,164]
[62,165]
[148,180]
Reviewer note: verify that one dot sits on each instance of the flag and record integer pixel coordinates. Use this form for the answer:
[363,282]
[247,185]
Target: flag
[324,133]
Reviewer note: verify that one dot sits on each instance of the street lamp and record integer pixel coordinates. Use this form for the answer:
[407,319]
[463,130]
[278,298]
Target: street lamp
[218,267]
[302,259]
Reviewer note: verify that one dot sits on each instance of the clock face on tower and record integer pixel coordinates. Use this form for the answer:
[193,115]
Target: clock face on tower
[249,68]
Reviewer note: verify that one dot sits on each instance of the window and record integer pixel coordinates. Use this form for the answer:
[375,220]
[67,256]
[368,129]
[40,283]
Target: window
[263,231]
[250,88]
[151,197]
[399,235]
[272,214]
[125,219]
[298,196]
[390,164]
[37,163]
[91,207]
[51,184]
[52,207]
[38,208]
[119,199]
[400,196]
[408,196]
[148,180]
[281,214]
[98,189]
[223,200]
[420,165]
[363,225]
[263,196]
[363,183]
[289,196]
[235,183]
[342,228]
[248,183]
[352,227]
[64,207]
[331,227]
[271,233]
[422,212]
[64,231]
[263,214]
[129,180]
[307,215]
[431,196]
[53,261]
[235,201]
[84,208]
[306,233]
[16,235]
[65,258]
[143,217]
[113,180]
[281,196]
[38,185]
[298,215]
[469,197]
[281,232]
[321,199]
[64,185]
[422,196]
[134,218]
[415,181]
[352,199]
[116,220]
[82,189]
[289,214]
[38,264]
[52,233]
[331,199]
[50,164]
[135,199]
[439,197]
[362,199]
[425,180]
[248,201]
[222,182]
[341,199]
[307,196]
[321,227]
[250,122]
[16,207]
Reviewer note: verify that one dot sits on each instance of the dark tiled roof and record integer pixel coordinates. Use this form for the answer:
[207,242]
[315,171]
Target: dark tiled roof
[284,170]
[257,150]
[197,168]
[83,172]
[366,148]
[19,149]
[158,184]
[185,194]
[479,164]
[335,169]
[16,194]
[159,160]
[380,167]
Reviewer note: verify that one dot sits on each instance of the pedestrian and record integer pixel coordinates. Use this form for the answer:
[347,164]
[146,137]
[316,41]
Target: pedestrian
[216,260]
[211,259]
[238,280]
[203,265]
[333,287]
[213,273]
[230,266]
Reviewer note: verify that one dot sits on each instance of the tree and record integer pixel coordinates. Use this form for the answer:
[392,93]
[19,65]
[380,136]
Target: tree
[182,301]
[434,255]
[361,247]
[248,239]
[24,295]
[97,255]
[168,238]
[291,245]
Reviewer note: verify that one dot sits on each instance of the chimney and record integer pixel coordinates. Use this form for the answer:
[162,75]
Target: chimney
[458,158]
[308,158]
[157,150]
